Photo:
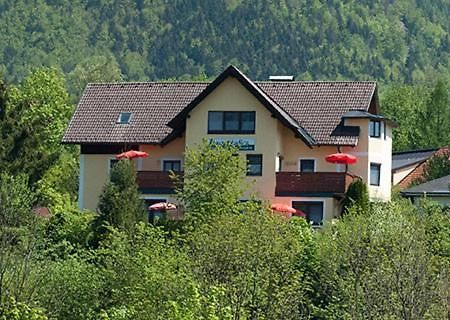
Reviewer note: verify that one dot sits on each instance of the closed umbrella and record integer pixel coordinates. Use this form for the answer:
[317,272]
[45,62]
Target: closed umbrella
[162,206]
[132,154]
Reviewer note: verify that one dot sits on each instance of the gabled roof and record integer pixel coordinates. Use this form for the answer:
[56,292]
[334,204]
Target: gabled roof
[178,122]
[437,187]
[313,110]
[408,158]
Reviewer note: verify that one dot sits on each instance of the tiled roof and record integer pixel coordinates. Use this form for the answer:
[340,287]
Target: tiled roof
[317,107]
[152,105]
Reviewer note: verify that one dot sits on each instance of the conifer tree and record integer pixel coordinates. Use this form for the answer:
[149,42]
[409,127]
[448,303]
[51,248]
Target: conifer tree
[120,205]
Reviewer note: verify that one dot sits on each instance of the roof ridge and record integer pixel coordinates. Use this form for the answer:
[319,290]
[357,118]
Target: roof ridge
[317,81]
[415,151]
[144,83]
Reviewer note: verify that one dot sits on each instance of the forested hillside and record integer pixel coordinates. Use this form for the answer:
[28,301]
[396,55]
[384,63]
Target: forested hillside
[402,40]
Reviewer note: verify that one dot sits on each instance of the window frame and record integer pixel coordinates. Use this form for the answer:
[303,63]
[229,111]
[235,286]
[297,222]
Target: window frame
[224,130]
[376,124]
[296,203]
[378,166]
[121,121]
[163,161]
[259,173]
[306,159]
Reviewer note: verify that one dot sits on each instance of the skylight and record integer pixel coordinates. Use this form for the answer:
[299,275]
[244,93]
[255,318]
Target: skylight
[124,118]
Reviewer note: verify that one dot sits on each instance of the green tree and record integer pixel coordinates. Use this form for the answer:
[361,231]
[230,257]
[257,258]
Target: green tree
[213,181]
[435,118]
[356,195]
[260,259]
[18,233]
[33,121]
[14,310]
[380,265]
[93,69]
[436,167]
[120,205]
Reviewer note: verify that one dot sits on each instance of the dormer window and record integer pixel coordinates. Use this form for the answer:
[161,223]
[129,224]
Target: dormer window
[124,118]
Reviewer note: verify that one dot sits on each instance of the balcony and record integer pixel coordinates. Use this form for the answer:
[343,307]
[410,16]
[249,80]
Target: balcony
[155,182]
[304,184]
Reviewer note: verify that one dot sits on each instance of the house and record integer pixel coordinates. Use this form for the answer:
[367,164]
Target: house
[436,190]
[284,129]
[408,166]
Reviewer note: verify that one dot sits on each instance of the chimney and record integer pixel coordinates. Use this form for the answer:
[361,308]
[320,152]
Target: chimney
[281,78]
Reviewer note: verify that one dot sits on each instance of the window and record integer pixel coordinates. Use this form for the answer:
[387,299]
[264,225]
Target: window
[231,122]
[312,209]
[307,165]
[112,162]
[172,165]
[375,169]
[124,118]
[374,129]
[254,165]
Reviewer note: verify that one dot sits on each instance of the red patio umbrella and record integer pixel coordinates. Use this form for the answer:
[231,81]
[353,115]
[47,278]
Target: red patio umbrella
[132,154]
[162,206]
[281,207]
[342,158]
[299,213]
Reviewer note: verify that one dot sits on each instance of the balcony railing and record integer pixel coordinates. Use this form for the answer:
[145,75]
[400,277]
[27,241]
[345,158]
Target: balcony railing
[312,183]
[155,182]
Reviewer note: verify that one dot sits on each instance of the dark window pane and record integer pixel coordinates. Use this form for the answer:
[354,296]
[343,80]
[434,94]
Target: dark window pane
[248,121]
[374,129]
[231,121]
[172,165]
[307,165]
[313,211]
[215,121]
[375,174]
[254,165]
[124,118]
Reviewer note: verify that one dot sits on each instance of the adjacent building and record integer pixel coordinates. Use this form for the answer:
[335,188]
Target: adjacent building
[283,128]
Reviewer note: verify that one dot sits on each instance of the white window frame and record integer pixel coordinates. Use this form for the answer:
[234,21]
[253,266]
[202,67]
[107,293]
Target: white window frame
[370,174]
[171,159]
[299,164]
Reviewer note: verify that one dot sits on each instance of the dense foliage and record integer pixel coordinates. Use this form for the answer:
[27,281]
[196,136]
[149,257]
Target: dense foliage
[97,40]
[234,260]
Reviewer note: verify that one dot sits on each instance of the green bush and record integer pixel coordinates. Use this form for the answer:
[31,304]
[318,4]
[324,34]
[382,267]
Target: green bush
[259,259]
[380,265]
[356,195]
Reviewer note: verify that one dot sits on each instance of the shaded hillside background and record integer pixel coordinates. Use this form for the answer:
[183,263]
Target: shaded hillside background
[402,44]
[402,40]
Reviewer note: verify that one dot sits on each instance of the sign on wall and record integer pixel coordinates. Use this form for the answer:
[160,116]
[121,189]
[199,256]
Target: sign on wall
[243,144]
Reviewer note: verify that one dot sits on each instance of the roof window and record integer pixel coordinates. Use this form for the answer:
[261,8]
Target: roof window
[124,118]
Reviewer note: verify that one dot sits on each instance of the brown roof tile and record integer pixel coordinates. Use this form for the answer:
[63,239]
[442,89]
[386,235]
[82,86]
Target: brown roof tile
[316,106]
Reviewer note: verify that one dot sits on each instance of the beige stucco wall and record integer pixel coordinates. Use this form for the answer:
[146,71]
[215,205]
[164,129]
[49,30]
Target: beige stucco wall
[171,151]
[230,95]
[93,175]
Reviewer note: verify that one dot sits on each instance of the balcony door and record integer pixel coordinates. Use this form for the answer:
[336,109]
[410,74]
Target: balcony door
[312,209]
